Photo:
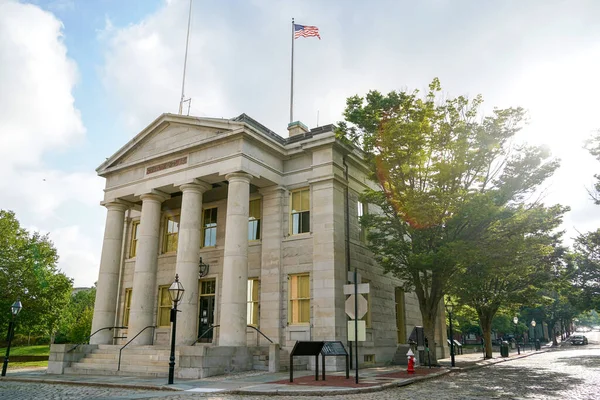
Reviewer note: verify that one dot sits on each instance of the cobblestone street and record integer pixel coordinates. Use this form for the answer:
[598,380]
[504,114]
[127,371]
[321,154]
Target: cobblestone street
[567,373]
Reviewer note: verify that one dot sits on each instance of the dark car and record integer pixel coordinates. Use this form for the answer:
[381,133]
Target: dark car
[579,339]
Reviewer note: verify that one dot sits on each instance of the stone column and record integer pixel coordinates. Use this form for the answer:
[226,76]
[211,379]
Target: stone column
[108,277]
[143,296]
[188,255]
[270,272]
[235,263]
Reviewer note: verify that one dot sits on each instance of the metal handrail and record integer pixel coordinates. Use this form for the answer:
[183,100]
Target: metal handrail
[257,330]
[216,326]
[101,329]
[126,344]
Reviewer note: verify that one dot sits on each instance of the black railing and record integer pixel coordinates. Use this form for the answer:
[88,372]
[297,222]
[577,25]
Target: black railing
[216,326]
[126,344]
[101,329]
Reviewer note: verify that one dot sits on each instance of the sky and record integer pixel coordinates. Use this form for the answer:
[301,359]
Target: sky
[80,78]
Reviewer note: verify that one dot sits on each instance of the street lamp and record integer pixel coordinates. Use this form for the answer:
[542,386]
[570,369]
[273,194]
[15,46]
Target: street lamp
[516,321]
[449,309]
[176,293]
[15,309]
[533,324]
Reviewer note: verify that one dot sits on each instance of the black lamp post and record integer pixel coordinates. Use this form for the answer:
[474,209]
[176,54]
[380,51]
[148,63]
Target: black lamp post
[516,321]
[449,309]
[533,324]
[176,293]
[15,309]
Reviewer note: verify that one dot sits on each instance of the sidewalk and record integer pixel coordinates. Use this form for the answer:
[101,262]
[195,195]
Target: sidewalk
[263,383]
[249,383]
[465,362]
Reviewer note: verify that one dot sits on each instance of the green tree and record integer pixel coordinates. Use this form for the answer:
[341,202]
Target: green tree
[509,263]
[584,266]
[438,164]
[76,320]
[28,271]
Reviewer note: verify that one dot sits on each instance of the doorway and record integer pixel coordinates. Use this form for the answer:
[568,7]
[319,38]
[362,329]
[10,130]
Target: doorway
[400,314]
[206,306]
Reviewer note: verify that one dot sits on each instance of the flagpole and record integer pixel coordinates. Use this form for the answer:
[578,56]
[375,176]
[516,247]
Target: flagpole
[187,40]
[292,79]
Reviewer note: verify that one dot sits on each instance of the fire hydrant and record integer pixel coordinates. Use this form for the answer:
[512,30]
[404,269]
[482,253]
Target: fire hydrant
[411,362]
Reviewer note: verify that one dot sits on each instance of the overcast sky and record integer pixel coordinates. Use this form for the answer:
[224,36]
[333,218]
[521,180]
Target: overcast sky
[79,78]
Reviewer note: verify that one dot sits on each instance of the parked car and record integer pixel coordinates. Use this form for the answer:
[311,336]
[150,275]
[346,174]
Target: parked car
[579,339]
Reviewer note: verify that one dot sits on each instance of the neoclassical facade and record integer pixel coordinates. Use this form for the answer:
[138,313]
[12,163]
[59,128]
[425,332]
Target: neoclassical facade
[266,214]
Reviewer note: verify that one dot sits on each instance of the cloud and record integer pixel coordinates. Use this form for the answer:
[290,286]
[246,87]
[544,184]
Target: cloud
[38,117]
[515,54]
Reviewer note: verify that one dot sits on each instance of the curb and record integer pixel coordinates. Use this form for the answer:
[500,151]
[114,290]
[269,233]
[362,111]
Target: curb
[334,392]
[100,384]
[487,363]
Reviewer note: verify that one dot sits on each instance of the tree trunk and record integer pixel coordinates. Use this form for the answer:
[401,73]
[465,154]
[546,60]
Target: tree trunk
[486,327]
[429,320]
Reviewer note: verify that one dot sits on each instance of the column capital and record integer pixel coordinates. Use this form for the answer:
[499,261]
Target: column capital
[272,190]
[195,186]
[239,177]
[117,205]
[155,195]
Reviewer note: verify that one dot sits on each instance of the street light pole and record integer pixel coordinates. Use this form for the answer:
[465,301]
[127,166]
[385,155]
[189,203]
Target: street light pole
[516,321]
[176,293]
[450,308]
[15,309]
[533,324]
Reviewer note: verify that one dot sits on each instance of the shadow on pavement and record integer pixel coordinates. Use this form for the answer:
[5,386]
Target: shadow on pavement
[510,381]
[588,361]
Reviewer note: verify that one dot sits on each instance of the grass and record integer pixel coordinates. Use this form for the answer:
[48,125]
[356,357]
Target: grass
[41,350]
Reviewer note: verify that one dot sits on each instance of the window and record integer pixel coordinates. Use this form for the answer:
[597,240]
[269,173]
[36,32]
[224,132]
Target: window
[300,211]
[164,306]
[210,227]
[299,303]
[369,358]
[252,316]
[367,316]
[362,210]
[254,220]
[171,234]
[126,307]
[135,226]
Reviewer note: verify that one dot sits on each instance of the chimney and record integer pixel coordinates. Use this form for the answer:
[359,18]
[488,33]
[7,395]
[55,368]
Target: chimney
[297,128]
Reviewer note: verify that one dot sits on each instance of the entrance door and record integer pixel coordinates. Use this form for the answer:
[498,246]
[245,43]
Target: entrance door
[400,317]
[206,303]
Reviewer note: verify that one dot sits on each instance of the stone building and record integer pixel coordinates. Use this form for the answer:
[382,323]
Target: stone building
[266,214]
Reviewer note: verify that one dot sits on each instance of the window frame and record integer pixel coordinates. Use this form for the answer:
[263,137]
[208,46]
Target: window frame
[127,306]
[135,225]
[163,308]
[361,210]
[369,315]
[215,227]
[300,212]
[253,303]
[165,236]
[292,300]
[254,219]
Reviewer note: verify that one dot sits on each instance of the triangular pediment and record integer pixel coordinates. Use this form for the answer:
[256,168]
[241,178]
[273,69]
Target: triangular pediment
[167,134]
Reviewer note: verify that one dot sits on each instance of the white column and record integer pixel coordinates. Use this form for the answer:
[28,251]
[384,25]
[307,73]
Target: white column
[188,255]
[108,277]
[232,331]
[143,296]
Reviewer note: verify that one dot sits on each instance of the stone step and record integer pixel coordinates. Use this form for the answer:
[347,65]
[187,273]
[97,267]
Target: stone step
[124,367]
[131,356]
[133,350]
[124,361]
[85,371]
[259,367]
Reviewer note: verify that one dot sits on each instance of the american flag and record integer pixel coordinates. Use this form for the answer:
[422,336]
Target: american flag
[305,31]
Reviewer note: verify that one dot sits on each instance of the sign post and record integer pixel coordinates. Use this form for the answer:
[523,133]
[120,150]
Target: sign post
[356,308]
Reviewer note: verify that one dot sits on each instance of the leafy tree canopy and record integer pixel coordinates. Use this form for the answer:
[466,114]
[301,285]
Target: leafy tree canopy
[28,271]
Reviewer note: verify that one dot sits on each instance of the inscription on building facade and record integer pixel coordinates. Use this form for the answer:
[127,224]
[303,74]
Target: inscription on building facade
[167,165]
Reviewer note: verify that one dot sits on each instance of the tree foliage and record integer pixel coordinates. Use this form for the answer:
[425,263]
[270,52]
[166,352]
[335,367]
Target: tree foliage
[445,173]
[584,265]
[28,271]
[76,320]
